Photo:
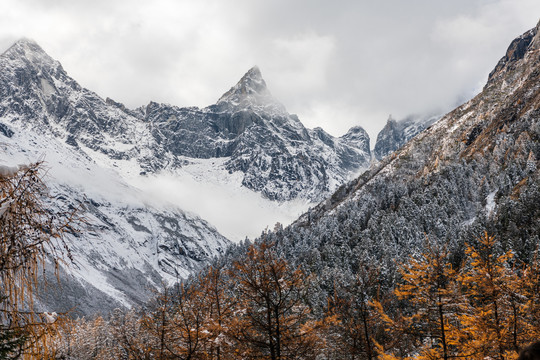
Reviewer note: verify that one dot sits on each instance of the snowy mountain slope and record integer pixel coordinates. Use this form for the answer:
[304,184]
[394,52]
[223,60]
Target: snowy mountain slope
[205,187]
[131,243]
[477,169]
[278,156]
[36,93]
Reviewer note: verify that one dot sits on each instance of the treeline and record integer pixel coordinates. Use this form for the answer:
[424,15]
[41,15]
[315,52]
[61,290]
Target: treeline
[262,308]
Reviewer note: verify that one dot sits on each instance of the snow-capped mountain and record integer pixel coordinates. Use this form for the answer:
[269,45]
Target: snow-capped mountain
[277,155]
[128,245]
[395,133]
[36,93]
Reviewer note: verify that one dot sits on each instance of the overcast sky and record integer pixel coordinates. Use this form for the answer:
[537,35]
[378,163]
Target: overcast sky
[334,63]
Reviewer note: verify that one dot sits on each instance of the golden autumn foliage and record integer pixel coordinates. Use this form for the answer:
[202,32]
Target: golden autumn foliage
[429,287]
[488,309]
[530,289]
[492,316]
[256,309]
[259,308]
[30,235]
[272,320]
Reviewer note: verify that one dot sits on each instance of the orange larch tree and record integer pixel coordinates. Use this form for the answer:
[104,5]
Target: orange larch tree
[220,304]
[30,235]
[272,320]
[429,298]
[530,285]
[492,317]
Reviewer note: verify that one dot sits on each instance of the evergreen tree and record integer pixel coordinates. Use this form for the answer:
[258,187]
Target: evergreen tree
[351,320]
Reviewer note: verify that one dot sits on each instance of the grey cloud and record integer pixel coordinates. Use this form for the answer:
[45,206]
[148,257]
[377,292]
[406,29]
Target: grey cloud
[335,64]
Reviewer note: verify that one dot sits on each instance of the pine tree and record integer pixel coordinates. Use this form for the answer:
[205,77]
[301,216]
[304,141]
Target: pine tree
[11,342]
[351,320]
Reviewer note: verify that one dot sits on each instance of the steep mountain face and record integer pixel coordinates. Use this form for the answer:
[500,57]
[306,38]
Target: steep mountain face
[131,243]
[395,134]
[36,93]
[278,156]
[477,169]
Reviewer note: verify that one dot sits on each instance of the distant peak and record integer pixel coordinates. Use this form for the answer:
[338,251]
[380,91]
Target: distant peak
[26,41]
[29,51]
[251,88]
[24,46]
[356,129]
[254,73]
[355,132]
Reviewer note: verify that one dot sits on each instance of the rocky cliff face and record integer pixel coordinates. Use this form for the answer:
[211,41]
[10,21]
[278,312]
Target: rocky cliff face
[127,246]
[36,93]
[395,133]
[131,244]
[278,156]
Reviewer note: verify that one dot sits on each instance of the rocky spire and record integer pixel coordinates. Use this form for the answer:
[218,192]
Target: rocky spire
[250,91]
[29,51]
[535,43]
[519,47]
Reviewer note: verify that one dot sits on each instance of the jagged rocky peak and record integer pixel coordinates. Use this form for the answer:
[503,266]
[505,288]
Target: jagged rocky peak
[357,137]
[535,43]
[24,46]
[250,91]
[251,84]
[517,50]
[27,49]
[396,133]
[391,120]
